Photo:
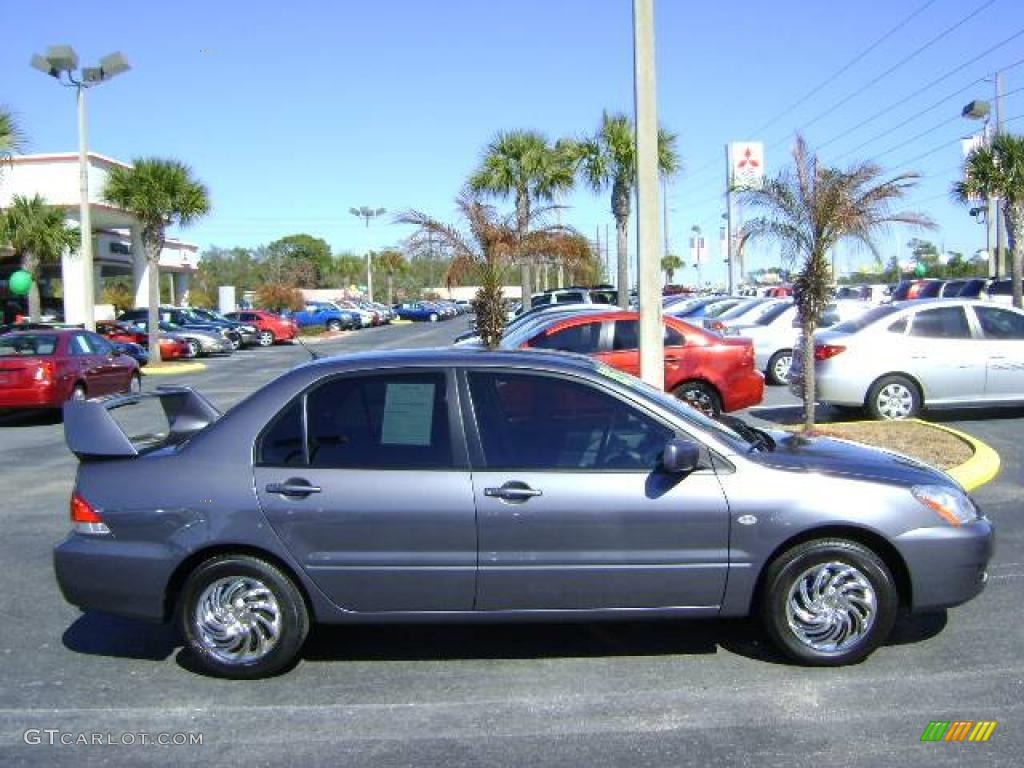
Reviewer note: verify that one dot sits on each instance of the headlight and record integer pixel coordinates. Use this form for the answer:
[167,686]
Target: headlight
[248,329]
[951,505]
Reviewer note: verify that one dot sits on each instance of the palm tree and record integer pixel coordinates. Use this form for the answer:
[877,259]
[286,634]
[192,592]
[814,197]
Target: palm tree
[39,234]
[808,210]
[158,193]
[525,165]
[997,171]
[669,264]
[12,140]
[486,253]
[608,160]
[392,262]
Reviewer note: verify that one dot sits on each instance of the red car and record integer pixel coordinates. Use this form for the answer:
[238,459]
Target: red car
[44,368]
[712,373]
[170,348]
[272,328]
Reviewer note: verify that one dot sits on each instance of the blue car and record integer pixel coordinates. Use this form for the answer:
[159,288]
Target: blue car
[327,314]
[420,311]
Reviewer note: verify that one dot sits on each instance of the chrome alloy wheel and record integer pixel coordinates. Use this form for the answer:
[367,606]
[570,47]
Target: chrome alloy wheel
[780,368]
[237,620]
[699,398]
[831,607]
[895,401]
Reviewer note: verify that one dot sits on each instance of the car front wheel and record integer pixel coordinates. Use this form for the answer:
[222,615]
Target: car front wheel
[195,349]
[242,618]
[894,397]
[778,367]
[266,339]
[829,602]
[333,325]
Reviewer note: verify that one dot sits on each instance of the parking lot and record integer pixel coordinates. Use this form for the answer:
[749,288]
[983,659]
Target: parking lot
[659,693]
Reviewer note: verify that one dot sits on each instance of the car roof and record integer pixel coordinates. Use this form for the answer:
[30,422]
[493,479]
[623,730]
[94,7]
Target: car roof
[456,356]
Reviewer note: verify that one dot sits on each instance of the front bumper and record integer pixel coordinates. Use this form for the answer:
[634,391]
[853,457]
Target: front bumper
[947,565]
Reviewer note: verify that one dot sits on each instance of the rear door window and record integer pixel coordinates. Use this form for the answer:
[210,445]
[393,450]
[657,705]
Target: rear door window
[583,338]
[1000,323]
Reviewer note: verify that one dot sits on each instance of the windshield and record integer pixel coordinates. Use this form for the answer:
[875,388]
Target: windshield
[27,344]
[863,321]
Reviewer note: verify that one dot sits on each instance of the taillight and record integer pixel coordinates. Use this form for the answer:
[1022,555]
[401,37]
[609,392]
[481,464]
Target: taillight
[717,325]
[85,519]
[43,372]
[825,351]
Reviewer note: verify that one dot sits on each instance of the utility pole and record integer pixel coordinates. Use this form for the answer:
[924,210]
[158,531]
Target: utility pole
[1000,226]
[652,346]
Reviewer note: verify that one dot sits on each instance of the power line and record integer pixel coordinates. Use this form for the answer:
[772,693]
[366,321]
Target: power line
[928,87]
[874,81]
[945,144]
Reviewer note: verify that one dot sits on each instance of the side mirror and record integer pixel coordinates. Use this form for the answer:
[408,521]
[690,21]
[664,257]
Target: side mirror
[680,456]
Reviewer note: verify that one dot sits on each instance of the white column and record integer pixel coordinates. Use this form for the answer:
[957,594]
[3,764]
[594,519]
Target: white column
[181,281]
[97,282]
[140,269]
[72,282]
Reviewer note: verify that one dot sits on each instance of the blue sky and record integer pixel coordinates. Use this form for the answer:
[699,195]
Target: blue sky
[294,112]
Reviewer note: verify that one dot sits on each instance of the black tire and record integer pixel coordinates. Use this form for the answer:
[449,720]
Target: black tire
[235,342]
[266,339]
[700,396]
[859,588]
[892,398]
[269,592]
[135,384]
[333,325]
[195,349]
[777,371]
[433,317]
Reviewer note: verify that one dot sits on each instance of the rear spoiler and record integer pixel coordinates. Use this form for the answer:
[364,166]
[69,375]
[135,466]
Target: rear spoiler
[92,433]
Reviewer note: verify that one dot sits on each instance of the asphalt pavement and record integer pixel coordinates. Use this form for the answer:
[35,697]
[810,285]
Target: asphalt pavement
[710,693]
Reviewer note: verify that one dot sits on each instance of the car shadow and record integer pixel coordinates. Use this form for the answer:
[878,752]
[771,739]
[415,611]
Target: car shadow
[31,418]
[101,634]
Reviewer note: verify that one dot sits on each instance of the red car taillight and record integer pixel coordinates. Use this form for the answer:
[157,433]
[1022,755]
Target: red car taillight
[43,372]
[85,519]
[716,325]
[825,351]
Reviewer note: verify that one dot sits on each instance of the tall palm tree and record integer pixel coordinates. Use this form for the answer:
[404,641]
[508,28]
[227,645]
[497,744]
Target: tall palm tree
[608,160]
[809,209]
[39,234]
[997,171]
[488,250]
[526,166]
[393,263]
[670,263]
[159,193]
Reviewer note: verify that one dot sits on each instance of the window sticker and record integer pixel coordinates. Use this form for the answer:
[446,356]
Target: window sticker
[408,414]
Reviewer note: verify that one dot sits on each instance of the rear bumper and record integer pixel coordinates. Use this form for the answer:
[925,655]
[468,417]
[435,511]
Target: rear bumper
[91,572]
[743,391]
[948,566]
[31,397]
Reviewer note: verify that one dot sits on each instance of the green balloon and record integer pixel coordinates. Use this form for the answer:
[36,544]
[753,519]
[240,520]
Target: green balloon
[920,270]
[19,282]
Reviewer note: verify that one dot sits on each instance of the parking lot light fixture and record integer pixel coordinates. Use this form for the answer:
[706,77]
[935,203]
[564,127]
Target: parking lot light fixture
[366,213]
[61,63]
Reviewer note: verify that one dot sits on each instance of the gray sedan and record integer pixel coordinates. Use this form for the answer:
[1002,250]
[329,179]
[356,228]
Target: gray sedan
[461,485]
[929,353]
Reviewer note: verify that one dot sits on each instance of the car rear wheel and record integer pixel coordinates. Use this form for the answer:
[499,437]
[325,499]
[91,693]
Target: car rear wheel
[433,317]
[78,392]
[333,325]
[195,349]
[135,384]
[701,396]
[266,339]
[242,618]
[778,366]
[894,397]
[235,342]
[829,602]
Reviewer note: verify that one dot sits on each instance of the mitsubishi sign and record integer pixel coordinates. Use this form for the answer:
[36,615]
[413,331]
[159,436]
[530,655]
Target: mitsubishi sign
[746,164]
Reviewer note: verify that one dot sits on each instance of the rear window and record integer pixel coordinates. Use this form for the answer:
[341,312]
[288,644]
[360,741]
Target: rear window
[28,344]
[769,315]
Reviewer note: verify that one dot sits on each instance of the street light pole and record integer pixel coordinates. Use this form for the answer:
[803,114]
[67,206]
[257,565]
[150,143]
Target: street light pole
[366,213]
[60,63]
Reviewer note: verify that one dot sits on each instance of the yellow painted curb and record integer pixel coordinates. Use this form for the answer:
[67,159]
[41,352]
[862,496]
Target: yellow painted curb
[172,368]
[397,321]
[977,470]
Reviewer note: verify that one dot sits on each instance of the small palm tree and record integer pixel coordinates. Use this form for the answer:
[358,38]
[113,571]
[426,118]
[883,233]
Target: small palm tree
[808,210]
[159,193]
[486,253]
[393,263]
[39,234]
[526,166]
[669,264]
[997,171]
[608,160]
[12,140]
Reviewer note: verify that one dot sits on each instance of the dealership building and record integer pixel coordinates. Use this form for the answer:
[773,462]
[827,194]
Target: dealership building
[116,235]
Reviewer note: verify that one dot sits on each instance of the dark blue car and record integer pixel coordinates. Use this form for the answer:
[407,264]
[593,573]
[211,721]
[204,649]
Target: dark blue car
[420,311]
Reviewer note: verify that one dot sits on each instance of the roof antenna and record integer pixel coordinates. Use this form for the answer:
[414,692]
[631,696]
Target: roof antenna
[312,353]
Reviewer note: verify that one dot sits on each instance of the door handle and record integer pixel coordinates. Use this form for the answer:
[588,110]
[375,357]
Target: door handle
[513,491]
[293,487]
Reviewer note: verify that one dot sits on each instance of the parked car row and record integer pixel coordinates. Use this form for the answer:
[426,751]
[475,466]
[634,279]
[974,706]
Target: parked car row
[342,315]
[431,311]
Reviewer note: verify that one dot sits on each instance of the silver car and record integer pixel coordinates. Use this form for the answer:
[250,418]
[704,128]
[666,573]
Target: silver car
[899,358]
[464,485]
